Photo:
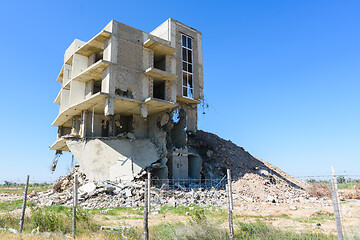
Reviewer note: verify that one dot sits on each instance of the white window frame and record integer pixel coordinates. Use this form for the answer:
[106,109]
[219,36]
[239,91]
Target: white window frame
[189,89]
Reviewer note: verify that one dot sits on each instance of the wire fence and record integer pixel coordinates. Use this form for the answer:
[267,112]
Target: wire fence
[157,193]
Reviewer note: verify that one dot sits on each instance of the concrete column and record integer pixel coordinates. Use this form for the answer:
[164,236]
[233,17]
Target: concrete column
[109,106]
[191,123]
[111,125]
[83,124]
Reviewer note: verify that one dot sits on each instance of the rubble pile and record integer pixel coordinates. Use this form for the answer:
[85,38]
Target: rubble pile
[253,181]
[129,194]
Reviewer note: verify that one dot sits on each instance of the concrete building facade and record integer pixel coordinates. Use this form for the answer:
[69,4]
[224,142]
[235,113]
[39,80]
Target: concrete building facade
[128,99]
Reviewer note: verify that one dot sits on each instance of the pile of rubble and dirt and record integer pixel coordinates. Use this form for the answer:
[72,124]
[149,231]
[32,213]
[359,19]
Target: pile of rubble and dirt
[253,181]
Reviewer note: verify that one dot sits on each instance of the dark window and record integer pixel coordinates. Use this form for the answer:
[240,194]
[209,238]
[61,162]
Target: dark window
[159,90]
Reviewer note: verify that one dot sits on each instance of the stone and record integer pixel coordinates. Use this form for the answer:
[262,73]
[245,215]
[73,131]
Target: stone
[88,188]
[293,207]
[128,193]
[171,202]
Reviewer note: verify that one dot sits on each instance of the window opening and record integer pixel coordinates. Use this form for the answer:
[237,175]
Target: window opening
[187,62]
[160,61]
[159,89]
[124,124]
[97,87]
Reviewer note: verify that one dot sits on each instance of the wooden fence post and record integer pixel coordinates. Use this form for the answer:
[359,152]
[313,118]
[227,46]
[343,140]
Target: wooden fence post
[146,212]
[230,219]
[230,189]
[148,189]
[75,200]
[24,205]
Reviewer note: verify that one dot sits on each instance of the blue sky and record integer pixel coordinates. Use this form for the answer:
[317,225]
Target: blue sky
[281,77]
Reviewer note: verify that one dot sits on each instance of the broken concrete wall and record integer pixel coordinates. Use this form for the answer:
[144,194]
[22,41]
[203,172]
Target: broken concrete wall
[180,167]
[113,159]
[194,166]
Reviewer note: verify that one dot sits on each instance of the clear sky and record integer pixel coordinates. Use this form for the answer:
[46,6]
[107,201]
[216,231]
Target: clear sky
[281,77]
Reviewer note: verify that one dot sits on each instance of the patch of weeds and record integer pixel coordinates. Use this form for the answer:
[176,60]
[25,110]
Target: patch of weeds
[317,217]
[322,216]
[119,211]
[8,221]
[197,228]
[192,209]
[262,230]
[269,217]
[59,218]
[122,234]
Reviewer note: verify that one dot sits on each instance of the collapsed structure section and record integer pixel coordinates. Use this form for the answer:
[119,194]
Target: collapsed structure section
[127,99]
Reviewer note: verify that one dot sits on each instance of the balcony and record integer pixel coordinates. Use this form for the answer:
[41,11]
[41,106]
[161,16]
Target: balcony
[123,105]
[97,101]
[157,105]
[58,97]
[158,47]
[94,72]
[61,74]
[95,45]
[59,144]
[158,74]
[186,99]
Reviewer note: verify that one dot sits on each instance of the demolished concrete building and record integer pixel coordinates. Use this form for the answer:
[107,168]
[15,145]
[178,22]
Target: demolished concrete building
[128,99]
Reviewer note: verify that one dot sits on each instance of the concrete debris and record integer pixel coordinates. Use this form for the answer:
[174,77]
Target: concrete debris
[253,181]
[9,230]
[112,228]
[293,207]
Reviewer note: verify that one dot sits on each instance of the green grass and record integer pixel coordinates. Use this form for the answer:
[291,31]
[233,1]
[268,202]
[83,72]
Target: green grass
[260,230]
[20,188]
[52,219]
[7,206]
[318,217]
[204,224]
[118,211]
[200,228]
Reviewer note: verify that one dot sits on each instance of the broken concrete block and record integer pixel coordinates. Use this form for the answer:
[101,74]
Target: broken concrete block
[171,202]
[128,193]
[292,207]
[209,153]
[263,172]
[87,188]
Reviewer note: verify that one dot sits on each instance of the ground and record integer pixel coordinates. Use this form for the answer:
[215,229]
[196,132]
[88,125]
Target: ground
[296,218]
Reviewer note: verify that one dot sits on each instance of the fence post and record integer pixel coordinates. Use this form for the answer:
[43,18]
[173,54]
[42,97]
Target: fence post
[230,189]
[336,204]
[231,227]
[148,189]
[75,200]
[24,205]
[146,212]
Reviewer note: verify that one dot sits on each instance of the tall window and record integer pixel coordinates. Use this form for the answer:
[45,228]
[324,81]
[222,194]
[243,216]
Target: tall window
[187,62]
